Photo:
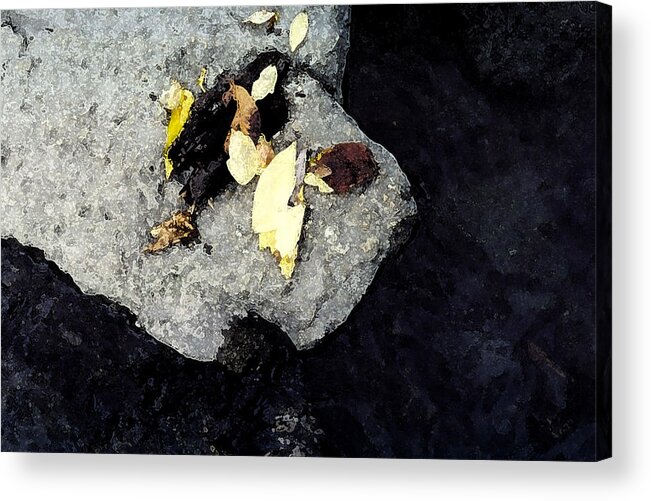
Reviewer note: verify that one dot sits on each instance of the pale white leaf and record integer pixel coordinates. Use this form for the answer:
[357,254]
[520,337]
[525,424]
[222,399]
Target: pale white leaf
[244,160]
[298,30]
[265,84]
[260,17]
[274,188]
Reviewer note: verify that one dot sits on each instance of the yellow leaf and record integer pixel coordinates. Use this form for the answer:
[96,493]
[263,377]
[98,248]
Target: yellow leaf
[289,230]
[313,180]
[265,83]
[279,225]
[274,188]
[261,17]
[244,161]
[179,101]
[298,30]
[283,242]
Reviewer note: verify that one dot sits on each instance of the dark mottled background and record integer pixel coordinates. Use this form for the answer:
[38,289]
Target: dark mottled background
[477,340]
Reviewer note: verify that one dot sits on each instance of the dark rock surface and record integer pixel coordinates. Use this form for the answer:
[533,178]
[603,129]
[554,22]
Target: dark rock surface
[476,341]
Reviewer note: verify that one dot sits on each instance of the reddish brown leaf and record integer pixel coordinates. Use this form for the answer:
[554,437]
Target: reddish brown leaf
[351,165]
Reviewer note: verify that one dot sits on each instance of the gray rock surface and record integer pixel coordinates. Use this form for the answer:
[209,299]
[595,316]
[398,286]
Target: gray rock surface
[82,173]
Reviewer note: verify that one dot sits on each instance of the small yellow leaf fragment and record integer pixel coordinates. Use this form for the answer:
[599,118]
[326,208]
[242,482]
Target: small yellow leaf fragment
[313,180]
[261,17]
[179,116]
[169,166]
[202,79]
[274,188]
[287,265]
[298,30]
[244,161]
[265,84]
[179,101]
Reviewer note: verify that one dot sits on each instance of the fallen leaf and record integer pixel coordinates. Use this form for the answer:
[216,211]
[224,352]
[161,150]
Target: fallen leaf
[351,165]
[202,79]
[261,17]
[312,179]
[179,101]
[274,188]
[283,241]
[265,150]
[289,230]
[298,30]
[265,84]
[247,116]
[179,228]
[279,225]
[244,161]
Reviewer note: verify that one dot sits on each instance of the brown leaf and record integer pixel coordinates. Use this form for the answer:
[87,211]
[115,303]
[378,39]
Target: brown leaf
[247,116]
[350,164]
[265,150]
[177,229]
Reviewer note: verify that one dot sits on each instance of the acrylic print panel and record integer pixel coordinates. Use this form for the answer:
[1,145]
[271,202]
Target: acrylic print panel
[368,231]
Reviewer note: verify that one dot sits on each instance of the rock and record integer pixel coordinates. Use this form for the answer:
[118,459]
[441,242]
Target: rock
[83,176]
[144,48]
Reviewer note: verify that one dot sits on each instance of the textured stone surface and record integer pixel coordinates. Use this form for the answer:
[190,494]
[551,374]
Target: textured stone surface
[87,184]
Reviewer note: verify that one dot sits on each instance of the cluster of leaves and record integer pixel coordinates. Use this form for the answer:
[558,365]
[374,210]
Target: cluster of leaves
[222,137]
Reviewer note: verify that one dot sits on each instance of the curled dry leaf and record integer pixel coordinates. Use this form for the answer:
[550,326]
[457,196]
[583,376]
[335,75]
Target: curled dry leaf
[247,116]
[177,229]
[244,160]
[351,165]
[202,79]
[179,101]
[261,17]
[298,30]
[265,84]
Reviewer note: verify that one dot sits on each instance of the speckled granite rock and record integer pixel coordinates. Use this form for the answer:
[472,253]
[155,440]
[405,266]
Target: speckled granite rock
[87,185]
